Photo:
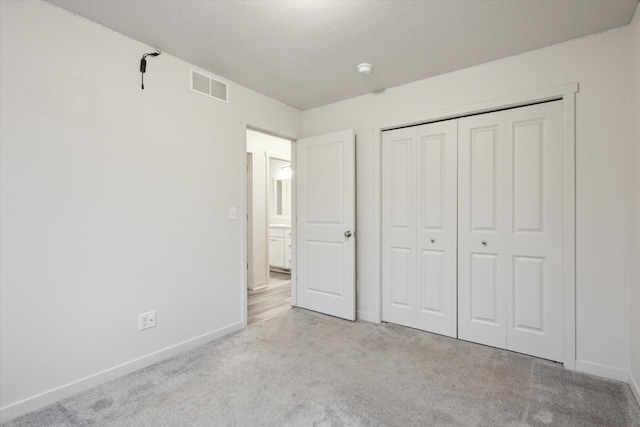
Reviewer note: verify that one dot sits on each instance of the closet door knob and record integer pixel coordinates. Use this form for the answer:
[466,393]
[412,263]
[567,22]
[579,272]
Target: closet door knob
[484,243]
[432,240]
[347,234]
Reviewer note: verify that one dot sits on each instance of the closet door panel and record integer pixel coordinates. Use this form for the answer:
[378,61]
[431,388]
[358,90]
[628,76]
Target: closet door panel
[399,302]
[482,229]
[534,196]
[401,277]
[527,285]
[431,264]
[432,150]
[483,287]
[483,171]
[436,154]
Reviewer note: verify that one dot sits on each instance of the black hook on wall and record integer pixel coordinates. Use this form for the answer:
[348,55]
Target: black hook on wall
[143,64]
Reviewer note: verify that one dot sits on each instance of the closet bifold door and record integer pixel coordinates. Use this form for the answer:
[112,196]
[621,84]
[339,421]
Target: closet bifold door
[481,229]
[437,233]
[534,223]
[399,227]
[510,229]
[419,220]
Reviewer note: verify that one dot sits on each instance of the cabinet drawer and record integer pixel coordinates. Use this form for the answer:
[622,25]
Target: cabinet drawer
[276,232]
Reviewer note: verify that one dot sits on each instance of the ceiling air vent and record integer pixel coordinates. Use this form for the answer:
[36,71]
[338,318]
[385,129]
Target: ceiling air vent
[208,86]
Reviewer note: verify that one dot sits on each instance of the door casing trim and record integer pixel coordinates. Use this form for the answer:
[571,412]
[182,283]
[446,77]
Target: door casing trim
[280,133]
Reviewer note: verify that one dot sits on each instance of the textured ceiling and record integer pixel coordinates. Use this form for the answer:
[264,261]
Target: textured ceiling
[304,53]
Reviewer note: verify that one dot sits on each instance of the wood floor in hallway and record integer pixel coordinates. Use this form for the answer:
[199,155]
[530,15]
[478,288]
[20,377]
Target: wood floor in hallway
[271,300]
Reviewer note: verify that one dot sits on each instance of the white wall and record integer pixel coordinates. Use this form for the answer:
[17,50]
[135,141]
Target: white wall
[601,65]
[262,145]
[635,256]
[114,202]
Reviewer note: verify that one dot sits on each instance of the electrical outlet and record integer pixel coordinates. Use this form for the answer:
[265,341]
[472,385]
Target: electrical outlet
[147,320]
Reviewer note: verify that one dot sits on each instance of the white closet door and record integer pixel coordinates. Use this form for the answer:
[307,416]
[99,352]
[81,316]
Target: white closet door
[437,187]
[534,223]
[419,227]
[399,227]
[481,229]
[510,230]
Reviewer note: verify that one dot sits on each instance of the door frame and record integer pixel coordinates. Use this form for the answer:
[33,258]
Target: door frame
[244,257]
[249,217]
[566,93]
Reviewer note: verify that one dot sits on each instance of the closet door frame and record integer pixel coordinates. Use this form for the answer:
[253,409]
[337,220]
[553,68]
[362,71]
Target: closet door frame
[566,93]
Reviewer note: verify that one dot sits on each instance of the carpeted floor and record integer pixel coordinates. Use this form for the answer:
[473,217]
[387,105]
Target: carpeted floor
[301,369]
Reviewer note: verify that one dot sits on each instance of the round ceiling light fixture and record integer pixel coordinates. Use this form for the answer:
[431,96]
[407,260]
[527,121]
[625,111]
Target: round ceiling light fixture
[365,68]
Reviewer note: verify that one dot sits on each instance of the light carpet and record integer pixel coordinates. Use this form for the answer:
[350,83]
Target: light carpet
[306,369]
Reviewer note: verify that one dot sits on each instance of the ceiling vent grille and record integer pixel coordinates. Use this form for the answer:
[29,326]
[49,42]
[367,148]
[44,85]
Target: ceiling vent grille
[208,86]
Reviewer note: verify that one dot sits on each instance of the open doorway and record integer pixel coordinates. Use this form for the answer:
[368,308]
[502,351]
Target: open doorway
[269,226]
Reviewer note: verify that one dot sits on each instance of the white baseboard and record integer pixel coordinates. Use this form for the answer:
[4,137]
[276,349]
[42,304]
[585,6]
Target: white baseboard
[259,285]
[367,317]
[602,370]
[48,397]
[634,383]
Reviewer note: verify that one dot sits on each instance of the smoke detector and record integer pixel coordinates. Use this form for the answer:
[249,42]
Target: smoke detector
[365,68]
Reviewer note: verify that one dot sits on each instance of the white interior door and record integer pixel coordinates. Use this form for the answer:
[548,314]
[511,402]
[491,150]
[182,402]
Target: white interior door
[481,229]
[437,223]
[510,230]
[534,226]
[419,221]
[325,209]
[399,300]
